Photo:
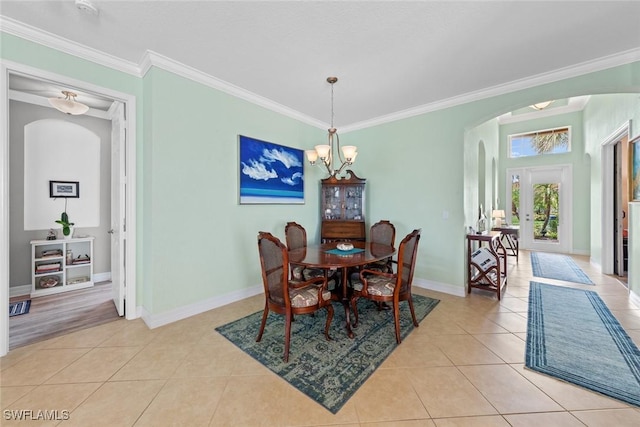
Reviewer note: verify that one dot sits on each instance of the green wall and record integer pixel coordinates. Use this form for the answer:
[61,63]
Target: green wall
[195,242]
[580,220]
[199,241]
[603,115]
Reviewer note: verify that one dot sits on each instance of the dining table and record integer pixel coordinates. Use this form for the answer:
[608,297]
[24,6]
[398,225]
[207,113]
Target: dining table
[328,256]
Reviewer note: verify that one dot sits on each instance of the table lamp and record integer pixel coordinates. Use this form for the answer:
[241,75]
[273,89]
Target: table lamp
[498,216]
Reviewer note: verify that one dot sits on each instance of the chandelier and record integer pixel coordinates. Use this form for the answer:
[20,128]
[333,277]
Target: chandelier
[68,104]
[346,155]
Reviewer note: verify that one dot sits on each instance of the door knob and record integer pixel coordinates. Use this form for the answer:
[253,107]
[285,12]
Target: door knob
[111,231]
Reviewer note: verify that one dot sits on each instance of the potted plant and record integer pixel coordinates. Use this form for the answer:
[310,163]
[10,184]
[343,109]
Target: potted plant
[67,229]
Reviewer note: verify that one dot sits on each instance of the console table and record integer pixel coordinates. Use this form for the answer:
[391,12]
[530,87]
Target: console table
[486,265]
[510,234]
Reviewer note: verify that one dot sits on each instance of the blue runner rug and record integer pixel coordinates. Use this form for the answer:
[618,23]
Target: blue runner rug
[558,267]
[329,372]
[572,335]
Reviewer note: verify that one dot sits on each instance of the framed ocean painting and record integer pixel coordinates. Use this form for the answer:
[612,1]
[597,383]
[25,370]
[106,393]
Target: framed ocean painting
[270,173]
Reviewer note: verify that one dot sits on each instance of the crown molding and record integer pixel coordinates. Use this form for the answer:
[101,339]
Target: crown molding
[36,35]
[154,59]
[622,58]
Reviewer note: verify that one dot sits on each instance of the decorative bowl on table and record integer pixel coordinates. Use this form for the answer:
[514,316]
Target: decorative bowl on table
[344,246]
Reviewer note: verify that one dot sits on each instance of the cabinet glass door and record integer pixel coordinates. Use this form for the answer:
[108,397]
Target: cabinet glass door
[353,202]
[332,203]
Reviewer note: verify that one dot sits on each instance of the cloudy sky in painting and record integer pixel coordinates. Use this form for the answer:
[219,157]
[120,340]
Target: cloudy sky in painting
[268,166]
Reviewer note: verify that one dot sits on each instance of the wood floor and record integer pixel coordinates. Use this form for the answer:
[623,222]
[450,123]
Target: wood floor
[55,315]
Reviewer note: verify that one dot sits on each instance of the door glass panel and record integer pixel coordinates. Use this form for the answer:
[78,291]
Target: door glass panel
[546,202]
[515,200]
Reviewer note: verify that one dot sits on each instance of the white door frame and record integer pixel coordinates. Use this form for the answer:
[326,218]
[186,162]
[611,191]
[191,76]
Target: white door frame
[607,195]
[7,68]
[565,231]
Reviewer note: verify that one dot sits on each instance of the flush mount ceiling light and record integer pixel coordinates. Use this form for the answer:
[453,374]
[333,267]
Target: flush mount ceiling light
[87,7]
[541,105]
[68,104]
[326,152]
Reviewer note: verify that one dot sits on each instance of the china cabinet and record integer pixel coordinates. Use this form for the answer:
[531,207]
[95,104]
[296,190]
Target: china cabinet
[342,208]
[61,265]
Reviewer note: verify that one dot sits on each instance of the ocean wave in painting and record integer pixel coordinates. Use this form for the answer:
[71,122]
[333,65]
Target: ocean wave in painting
[270,173]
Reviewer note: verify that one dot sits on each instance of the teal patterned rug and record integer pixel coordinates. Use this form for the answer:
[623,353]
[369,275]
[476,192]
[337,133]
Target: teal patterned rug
[572,335]
[329,372]
[558,267]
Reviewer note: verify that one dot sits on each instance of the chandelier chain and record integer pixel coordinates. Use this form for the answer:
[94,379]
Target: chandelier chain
[332,105]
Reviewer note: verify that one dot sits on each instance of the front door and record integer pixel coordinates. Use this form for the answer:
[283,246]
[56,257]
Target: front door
[541,206]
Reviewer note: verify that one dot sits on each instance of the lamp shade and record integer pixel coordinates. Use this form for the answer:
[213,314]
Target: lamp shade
[312,155]
[323,151]
[349,152]
[498,213]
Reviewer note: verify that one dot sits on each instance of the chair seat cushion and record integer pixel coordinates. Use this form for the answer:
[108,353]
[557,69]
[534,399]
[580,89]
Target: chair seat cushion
[377,285]
[307,296]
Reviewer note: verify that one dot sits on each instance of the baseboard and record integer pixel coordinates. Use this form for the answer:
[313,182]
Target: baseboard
[20,290]
[586,252]
[635,298]
[439,287]
[102,277]
[161,319]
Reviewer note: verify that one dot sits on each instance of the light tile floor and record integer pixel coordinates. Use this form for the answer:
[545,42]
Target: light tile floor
[464,366]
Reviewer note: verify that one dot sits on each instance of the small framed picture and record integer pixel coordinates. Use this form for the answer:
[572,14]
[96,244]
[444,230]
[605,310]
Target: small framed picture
[68,189]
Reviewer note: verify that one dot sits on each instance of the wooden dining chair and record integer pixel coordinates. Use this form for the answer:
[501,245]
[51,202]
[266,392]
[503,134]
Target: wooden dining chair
[296,237]
[287,297]
[382,232]
[392,288]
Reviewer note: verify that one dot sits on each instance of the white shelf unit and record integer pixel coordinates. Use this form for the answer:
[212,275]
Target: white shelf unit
[70,274]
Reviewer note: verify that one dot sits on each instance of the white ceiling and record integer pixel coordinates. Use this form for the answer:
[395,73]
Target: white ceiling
[389,56]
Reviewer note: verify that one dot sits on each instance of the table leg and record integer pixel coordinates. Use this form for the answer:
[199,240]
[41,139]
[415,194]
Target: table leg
[346,301]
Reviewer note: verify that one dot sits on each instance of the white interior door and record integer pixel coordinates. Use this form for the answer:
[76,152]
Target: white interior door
[118,193]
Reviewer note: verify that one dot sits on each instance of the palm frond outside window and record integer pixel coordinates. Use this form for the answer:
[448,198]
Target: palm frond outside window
[549,141]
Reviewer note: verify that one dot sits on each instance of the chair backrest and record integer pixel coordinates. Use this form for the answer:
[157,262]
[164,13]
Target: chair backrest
[274,260]
[296,236]
[407,260]
[383,232]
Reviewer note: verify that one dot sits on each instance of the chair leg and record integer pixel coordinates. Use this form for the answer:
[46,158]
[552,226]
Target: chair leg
[413,313]
[396,319]
[329,319]
[287,335]
[263,323]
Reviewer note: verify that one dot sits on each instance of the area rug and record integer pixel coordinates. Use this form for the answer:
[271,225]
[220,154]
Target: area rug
[18,308]
[572,335]
[559,267]
[329,372]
